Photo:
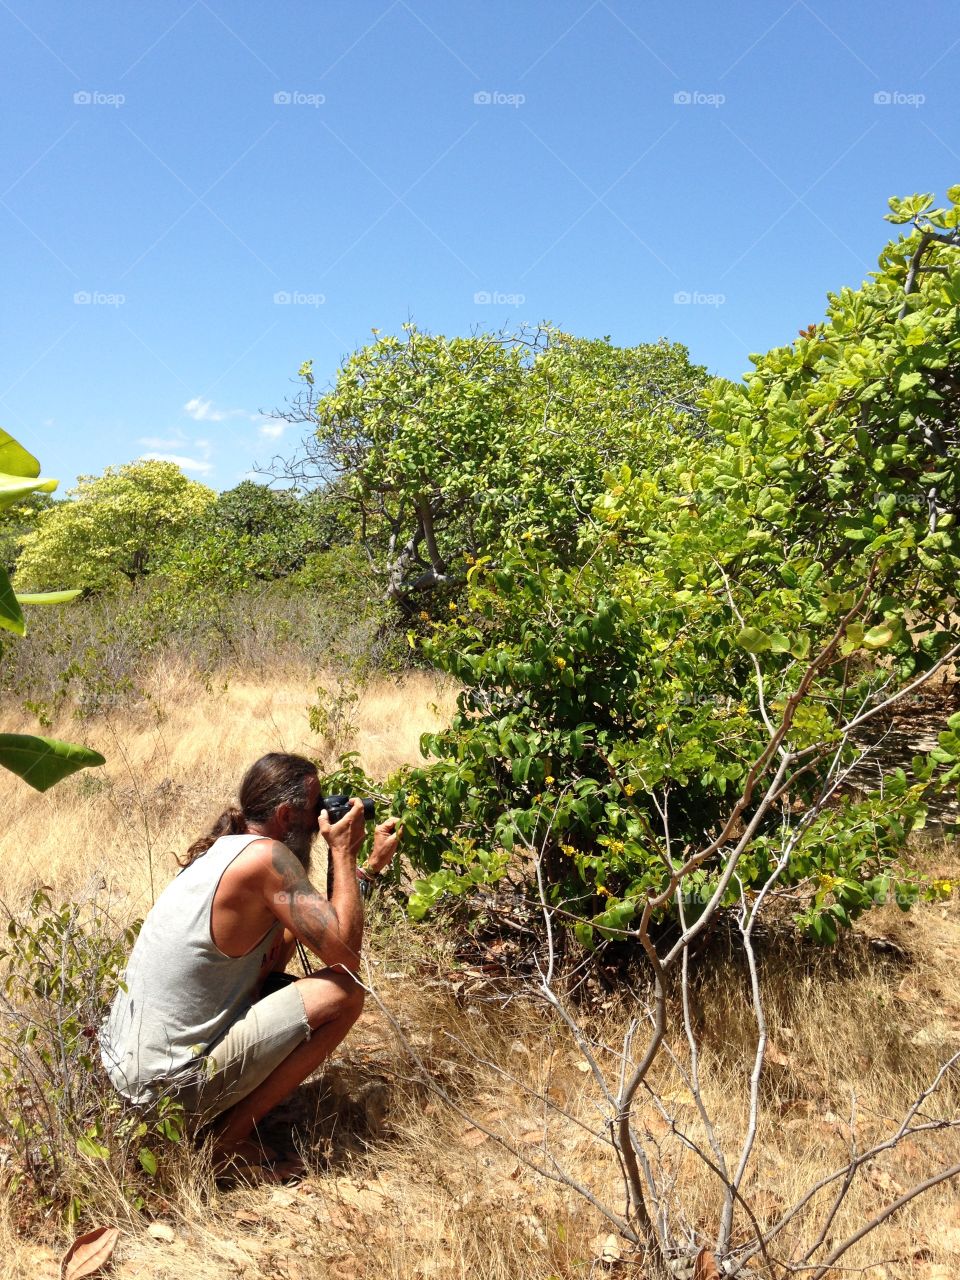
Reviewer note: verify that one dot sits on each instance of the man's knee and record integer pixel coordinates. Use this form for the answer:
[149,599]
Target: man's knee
[353,997]
[331,995]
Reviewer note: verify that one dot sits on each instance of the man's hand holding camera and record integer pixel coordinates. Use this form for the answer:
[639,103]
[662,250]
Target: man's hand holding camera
[345,836]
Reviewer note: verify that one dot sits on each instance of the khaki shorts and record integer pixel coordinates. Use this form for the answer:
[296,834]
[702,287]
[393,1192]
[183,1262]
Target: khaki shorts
[249,1050]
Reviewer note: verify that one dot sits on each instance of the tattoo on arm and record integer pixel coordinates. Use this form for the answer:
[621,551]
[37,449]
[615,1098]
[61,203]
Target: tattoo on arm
[312,916]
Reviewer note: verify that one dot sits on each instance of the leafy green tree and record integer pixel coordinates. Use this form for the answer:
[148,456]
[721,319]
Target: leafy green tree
[692,692]
[114,528]
[255,534]
[449,446]
[39,761]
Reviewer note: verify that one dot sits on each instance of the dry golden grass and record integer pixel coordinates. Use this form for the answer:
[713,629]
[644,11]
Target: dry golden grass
[175,764]
[401,1185]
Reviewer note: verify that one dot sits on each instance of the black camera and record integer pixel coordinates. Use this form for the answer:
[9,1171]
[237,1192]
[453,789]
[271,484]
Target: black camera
[338,807]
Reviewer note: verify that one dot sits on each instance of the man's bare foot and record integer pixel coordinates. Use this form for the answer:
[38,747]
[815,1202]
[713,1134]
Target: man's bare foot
[246,1153]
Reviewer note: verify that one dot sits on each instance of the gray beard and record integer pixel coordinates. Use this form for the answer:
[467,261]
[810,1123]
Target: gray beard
[300,843]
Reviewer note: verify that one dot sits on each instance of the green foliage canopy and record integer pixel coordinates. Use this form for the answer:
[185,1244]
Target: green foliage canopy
[739,610]
[115,527]
[450,447]
[254,534]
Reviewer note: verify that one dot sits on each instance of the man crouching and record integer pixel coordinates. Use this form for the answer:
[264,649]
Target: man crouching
[200,1019]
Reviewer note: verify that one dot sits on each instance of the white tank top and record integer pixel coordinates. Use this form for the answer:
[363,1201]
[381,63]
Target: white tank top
[182,992]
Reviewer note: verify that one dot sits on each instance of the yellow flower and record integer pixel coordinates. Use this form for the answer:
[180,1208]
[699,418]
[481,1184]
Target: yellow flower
[452,607]
[603,891]
[568,849]
[660,728]
[548,780]
[424,615]
[527,537]
[561,663]
[629,789]
[412,800]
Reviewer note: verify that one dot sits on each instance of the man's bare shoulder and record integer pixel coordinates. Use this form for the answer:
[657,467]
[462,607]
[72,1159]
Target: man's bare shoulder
[260,859]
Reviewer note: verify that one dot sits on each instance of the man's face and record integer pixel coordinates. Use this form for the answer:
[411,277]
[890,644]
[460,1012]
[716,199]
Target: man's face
[304,825]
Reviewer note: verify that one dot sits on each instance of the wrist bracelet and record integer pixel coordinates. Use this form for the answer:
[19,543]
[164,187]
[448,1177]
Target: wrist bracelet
[365,875]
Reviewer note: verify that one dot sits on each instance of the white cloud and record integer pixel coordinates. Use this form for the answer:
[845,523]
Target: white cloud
[273,430]
[184,463]
[201,410]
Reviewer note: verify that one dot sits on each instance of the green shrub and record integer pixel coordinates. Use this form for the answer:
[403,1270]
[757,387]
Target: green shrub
[797,566]
[75,1145]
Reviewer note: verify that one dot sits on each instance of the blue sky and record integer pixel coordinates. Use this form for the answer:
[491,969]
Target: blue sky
[197,195]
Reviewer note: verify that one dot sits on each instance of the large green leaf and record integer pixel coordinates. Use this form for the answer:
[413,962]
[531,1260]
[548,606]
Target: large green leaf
[14,459]
[11,615]
[753,640]
[47,597]
[14,487]
[43,761]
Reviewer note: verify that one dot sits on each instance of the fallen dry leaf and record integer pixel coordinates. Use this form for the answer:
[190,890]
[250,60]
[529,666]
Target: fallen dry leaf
[705,1266]
[248,1219]
[583,1066]
[611,1249]
[532,1138]
[473,1137]
[775,1055]
[656,1126]
[882,1181]
[89,1253]
[162,1231]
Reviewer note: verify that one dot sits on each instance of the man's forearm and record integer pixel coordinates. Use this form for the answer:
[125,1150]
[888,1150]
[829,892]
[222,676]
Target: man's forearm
[345,899]
[332,926]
